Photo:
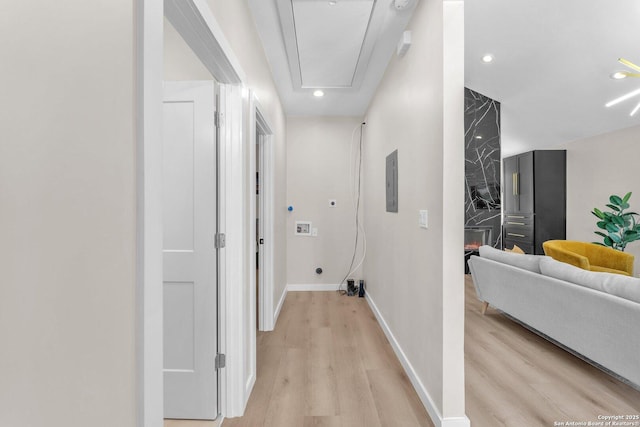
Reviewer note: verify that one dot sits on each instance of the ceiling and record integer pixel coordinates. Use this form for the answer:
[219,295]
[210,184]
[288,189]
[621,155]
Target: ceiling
[341,48]
[551,68]
[552,65]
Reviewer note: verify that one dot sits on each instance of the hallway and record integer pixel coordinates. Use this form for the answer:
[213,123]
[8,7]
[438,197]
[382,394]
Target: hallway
[328,363]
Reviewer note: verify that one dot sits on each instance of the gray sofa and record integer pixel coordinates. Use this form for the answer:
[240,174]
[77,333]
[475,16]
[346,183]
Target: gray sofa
[596,315]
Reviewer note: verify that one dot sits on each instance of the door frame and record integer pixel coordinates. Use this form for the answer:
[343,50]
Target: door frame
[196,24]
[260,125]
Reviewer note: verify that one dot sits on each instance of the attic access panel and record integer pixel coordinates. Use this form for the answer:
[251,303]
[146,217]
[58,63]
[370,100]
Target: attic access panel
[329,46]
[330,39]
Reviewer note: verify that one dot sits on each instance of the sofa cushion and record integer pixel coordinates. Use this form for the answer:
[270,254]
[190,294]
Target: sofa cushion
[524,261]
[615,284]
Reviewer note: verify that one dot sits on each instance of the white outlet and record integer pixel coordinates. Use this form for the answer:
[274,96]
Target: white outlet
[424,219]
[333,203]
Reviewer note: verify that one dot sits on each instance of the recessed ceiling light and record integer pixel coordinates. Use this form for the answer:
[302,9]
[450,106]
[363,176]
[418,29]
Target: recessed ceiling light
[487,58]
[618,75]
[318,93]
[332,2]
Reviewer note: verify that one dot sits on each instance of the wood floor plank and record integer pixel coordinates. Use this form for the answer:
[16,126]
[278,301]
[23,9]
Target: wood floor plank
[334,421]
[268,363]
[374,348]
[189,423]
[354,391]
[286,406]
[388,394]
[321,386]
[318,310]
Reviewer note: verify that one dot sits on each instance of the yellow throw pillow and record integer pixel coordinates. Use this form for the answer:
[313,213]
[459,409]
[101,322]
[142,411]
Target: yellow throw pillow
[516,249]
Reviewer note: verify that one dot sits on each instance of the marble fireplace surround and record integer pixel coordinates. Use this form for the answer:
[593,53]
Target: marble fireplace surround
[482,165]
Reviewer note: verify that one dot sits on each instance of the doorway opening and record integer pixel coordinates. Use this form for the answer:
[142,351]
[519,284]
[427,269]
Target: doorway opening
[262,153]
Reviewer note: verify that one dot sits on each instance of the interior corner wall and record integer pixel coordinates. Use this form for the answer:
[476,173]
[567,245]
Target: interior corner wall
[319,152]
[415,275]
[236,21]
[68,216]
[598,167]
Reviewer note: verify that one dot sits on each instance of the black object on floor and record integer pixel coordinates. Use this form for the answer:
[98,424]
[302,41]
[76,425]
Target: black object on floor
[361,289]
[351,287]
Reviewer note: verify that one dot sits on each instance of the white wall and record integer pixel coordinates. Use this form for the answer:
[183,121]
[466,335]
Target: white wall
[415,275]
[180,63]
[238,26]
[598,167]
[318,157]
[67,191]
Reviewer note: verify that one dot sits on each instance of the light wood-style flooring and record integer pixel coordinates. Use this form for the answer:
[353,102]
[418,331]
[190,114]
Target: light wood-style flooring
[328,363]
[516,378]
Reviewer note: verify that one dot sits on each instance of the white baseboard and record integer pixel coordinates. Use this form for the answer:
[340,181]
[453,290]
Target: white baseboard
[426,399]
[456,422]
[247,390]
[279,307]
[313,287]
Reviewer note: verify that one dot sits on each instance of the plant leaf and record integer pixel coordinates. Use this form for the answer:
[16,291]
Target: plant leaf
[597,212]
[611,228]
[616,200]
[615,237]
[631,235]
[600,233]
[602,224]
[608,241]
[598,243]
[626,197]
[614,207]
[618,221]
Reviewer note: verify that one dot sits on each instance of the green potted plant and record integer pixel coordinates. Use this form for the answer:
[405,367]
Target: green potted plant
[619,227]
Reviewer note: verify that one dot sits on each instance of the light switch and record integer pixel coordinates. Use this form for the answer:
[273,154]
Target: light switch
[424,218]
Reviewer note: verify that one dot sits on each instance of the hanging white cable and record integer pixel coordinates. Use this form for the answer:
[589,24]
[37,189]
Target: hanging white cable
[364,234]
[355,181]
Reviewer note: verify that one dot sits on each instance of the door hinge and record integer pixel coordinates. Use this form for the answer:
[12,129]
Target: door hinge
[220,240]
[218,117]
[221,361]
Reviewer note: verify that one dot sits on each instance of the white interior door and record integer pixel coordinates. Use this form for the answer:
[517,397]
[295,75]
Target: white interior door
[189,253]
